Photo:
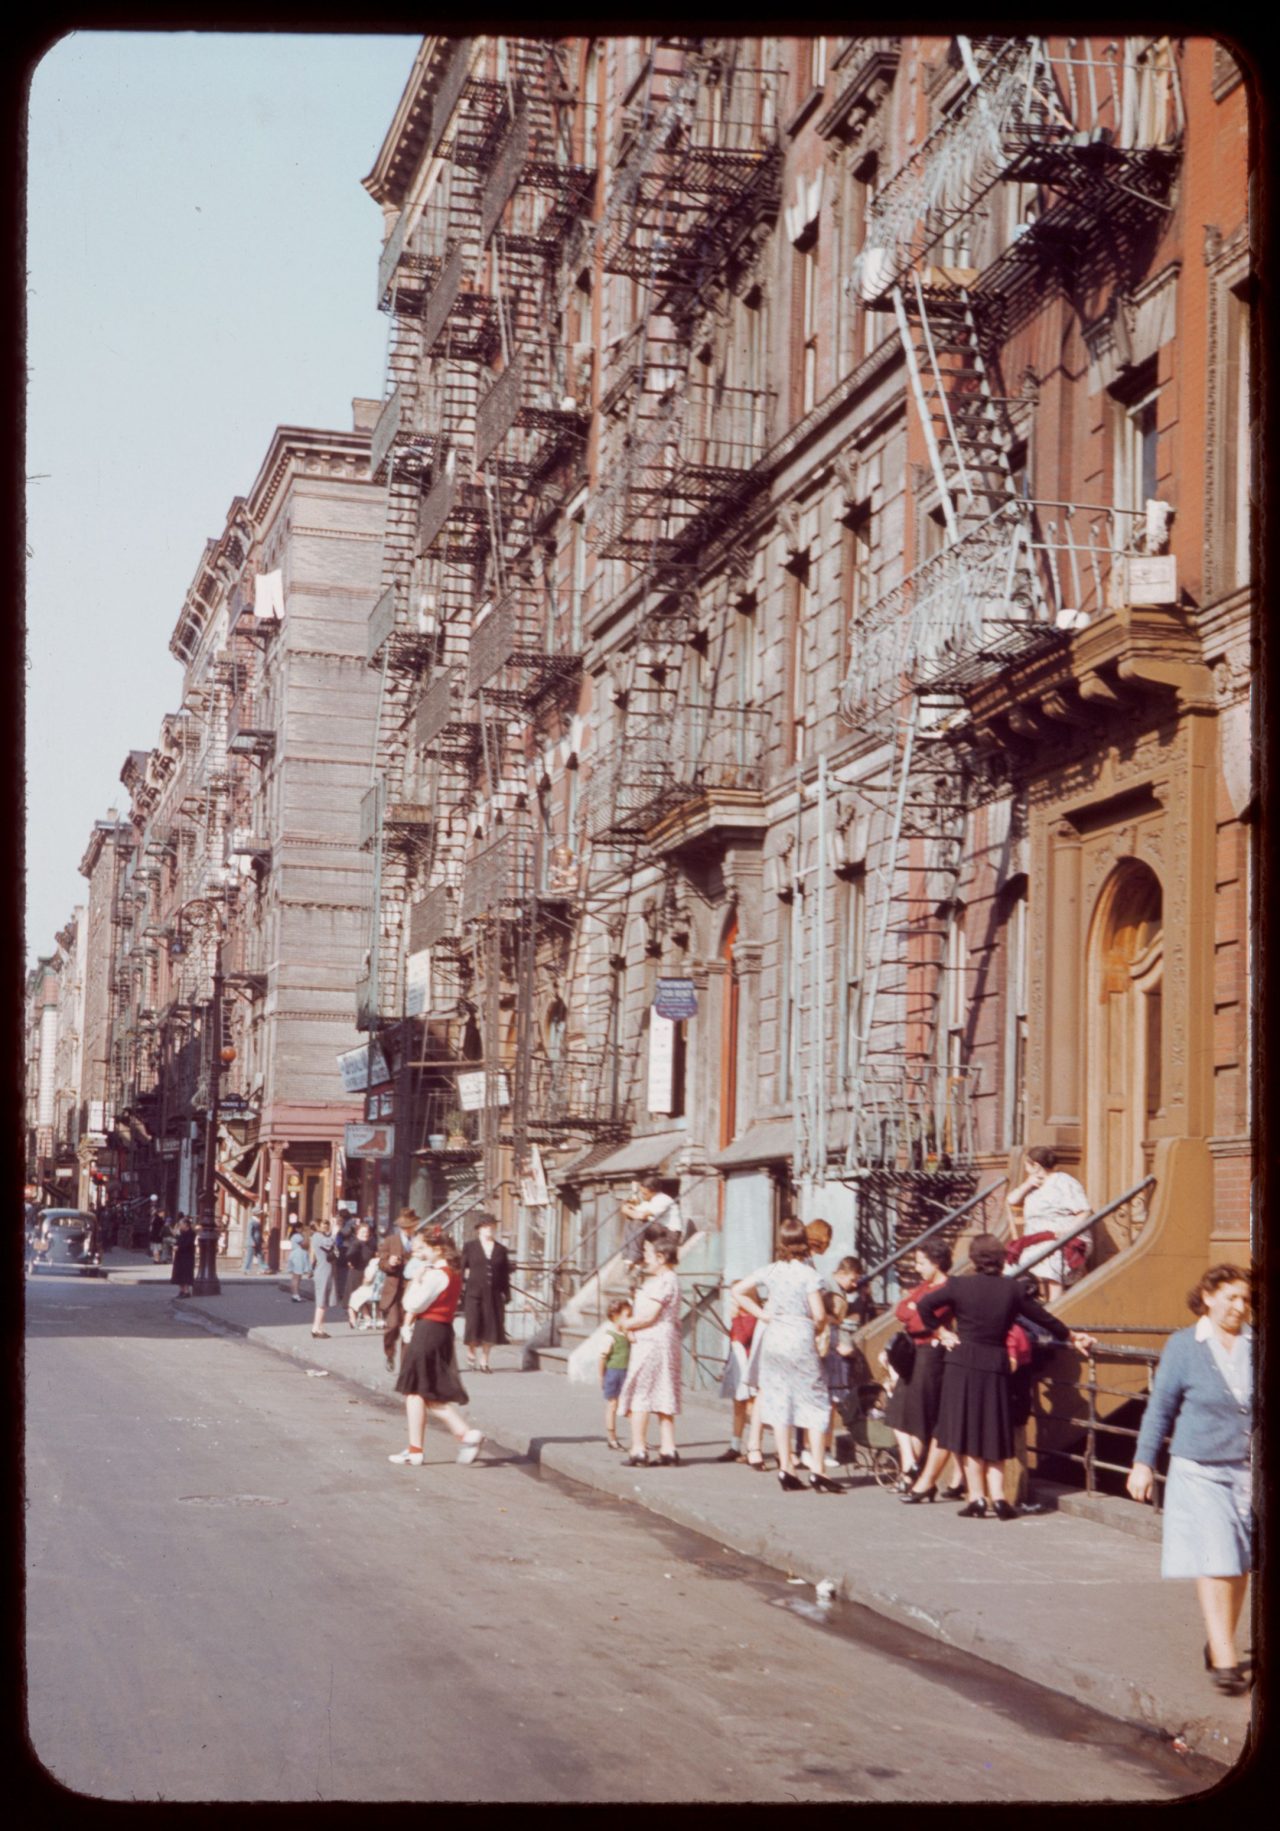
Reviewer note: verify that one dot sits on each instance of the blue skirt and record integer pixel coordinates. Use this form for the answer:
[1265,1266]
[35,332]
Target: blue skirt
[1208,1520]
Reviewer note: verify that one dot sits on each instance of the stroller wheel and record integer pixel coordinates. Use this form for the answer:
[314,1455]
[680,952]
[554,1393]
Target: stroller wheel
[886,1468]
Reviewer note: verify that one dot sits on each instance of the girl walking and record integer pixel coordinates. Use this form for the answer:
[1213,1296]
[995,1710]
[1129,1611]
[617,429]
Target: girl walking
[428,1375]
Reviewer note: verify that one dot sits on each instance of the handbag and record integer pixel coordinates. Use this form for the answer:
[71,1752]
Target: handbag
[901,1354]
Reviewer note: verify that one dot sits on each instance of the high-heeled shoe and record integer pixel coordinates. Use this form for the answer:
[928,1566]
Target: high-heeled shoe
[669,1462]
[1004,1510]
[636,1462]
[823,1484]
[1230,1680]
[788,1483]
[914,1496]
[954,1492]
[975,1509]
[755,1461]
[907,1479]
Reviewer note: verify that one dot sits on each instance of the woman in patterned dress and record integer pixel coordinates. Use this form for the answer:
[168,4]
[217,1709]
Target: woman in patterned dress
[793,1391]
[653,1373]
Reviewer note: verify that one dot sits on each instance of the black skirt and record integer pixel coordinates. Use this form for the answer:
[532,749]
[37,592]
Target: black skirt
[913,1403]
[429,1366]
[482,1318]
[973,1415]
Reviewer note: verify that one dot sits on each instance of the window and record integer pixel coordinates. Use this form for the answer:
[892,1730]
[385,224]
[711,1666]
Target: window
[875,325]
[1015,1028]
[1236,443]
[817,63]
[851,894]
[577,583]
[809,314]
[1134,424]
[797,683]
[953,1004]
[786,993]
[591,108]
[748,653]
[855,571]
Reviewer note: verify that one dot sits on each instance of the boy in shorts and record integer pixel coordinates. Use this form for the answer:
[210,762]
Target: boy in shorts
[613,1367]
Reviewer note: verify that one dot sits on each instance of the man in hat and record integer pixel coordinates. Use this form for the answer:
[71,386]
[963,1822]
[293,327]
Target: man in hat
[393,1257]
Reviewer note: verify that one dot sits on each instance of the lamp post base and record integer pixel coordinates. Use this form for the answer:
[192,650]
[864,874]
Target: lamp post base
[206,1283]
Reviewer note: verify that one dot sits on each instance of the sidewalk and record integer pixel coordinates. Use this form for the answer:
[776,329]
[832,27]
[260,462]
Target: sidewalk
[1068,1603]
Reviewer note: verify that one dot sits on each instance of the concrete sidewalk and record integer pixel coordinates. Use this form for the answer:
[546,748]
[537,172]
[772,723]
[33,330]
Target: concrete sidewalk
[1064,1601]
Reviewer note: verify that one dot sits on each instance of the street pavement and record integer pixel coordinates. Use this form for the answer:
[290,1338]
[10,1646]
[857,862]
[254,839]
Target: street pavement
[210,1518]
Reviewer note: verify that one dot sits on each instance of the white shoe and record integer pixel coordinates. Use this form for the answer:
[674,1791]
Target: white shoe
[412,1457]
[471,1446]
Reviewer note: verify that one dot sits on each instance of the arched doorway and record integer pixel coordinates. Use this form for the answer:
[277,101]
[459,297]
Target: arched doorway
[1125,1036]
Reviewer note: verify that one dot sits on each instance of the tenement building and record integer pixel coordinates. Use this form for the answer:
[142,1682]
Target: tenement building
[814,648]
[245,876]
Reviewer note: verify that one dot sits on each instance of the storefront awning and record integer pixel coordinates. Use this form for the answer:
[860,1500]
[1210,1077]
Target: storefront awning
[620,1161]
[237,1190]
[766,1142]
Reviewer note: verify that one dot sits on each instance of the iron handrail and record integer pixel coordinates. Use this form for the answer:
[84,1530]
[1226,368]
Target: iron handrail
[1052,1246]
[948,1220]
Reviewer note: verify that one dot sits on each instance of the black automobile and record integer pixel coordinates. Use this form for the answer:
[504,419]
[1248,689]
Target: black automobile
[67,1233]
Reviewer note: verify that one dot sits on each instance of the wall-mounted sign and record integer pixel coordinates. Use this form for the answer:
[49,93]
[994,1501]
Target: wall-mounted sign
[168,1147]
[370,1141]
[662,1050]
[676,999]
[354,1068]
[1153,579]
[471,1091]
[380,1104]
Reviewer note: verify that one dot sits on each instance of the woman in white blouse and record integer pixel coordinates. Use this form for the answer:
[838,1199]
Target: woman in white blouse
[792,1390]
[1048,1200]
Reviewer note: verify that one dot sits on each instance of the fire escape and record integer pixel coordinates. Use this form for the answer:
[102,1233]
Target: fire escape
[1091,139]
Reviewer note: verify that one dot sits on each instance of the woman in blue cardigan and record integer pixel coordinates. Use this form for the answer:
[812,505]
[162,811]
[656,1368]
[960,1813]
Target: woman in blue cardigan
[1203,1390]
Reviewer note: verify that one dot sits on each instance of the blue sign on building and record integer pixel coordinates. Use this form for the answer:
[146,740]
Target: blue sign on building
[676,999]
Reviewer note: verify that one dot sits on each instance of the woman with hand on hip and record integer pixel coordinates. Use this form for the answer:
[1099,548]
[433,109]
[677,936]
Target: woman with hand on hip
[1050,1202]
[324,1270]
[428,1375]
[1203,1391]
[653,1382]
[792,1387]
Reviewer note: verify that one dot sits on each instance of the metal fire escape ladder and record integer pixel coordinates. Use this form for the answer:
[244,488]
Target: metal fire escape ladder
[810,995]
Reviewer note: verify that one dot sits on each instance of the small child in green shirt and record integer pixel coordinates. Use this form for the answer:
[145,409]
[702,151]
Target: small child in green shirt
[613,1367]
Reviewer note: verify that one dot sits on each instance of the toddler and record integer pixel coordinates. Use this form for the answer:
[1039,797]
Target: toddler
[613,1367]
[837,1363]
[737,1386]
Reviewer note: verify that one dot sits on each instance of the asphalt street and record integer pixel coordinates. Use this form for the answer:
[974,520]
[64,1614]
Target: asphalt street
[232,1596]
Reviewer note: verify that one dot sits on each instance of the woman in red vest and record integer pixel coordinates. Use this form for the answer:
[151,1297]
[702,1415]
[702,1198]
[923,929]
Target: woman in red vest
[428,1375]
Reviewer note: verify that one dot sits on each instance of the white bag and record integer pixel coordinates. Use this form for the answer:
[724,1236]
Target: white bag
[584,1362]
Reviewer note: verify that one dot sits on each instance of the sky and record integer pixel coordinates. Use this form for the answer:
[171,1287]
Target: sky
[202,266]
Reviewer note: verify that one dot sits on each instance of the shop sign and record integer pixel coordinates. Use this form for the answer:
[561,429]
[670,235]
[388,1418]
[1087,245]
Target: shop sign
[168,1147]
[370,1141]
[354,1068]
[471,1091]
[380,1104]
[676,999]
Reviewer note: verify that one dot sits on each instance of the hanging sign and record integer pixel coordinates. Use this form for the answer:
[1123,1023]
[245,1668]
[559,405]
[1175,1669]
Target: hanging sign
[676,999]
[370,1141]
[533,1184]
[471,1091]
[354,1068]
[417,988]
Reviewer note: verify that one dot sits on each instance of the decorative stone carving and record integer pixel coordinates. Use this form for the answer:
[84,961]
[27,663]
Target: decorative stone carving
[790,520]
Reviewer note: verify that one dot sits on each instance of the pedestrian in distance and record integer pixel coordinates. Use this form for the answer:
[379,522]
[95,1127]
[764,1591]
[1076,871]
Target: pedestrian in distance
[343,1235]
[1203,1391]
[324,1272]
[253,1253]
[653,1381]
[393,1259]
[1047,1204]
[428,1375]
[974,1414]
[298,1263]
[736,1384]
[793,1391]
[184,1258]
[837,1367]
[486,1271]
[613,1367]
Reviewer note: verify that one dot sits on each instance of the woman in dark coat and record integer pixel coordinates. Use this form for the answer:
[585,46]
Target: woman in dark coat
[184,1258]
[974,1421]
[912,1411]
[486,1266]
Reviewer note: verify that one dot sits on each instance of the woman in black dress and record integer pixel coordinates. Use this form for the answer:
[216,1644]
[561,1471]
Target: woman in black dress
[184,1258]
[912,1411]
[486,1266]
[974,1421]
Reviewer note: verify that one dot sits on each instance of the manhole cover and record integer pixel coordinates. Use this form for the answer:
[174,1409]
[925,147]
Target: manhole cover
[230,1500]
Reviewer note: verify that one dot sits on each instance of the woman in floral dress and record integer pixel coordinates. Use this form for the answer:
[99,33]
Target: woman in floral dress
[793,1391]
[653,1372]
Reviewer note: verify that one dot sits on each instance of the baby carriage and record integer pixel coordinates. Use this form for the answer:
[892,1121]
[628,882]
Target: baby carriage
[872,1446]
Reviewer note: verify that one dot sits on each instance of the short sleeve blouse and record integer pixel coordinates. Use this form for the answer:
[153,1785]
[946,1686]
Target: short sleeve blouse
[788,1283]
[1056,1205]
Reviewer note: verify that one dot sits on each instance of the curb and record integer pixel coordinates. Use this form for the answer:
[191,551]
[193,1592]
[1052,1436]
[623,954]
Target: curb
[1107,1691]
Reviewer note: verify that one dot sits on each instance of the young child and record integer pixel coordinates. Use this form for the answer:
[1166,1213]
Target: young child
[846,1277]
[837,1364]
[613,1367]
[735,1385]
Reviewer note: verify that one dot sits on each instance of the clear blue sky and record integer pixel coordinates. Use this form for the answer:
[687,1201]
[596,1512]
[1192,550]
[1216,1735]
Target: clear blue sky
[201,267]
